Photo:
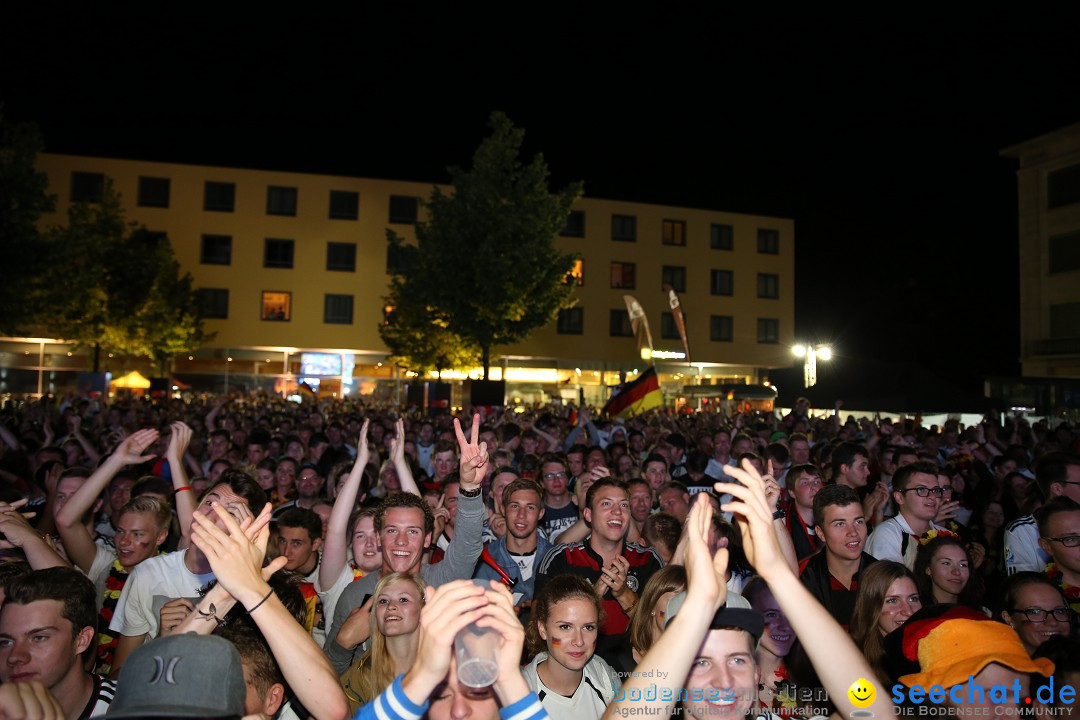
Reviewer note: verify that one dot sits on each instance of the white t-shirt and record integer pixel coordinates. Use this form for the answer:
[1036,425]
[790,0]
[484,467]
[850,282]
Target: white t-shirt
[329,596]
[151,584]
[525,564]
[596,689]
[104,557]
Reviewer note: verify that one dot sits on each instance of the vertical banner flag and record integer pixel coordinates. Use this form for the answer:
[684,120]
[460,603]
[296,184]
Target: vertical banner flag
[680,322]
[639,323]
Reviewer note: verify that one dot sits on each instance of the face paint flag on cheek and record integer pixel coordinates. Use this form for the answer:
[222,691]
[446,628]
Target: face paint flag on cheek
[556,642]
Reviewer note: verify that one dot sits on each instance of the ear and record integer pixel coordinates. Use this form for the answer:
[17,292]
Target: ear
[819,532]
[275,696]
[1045,545]
[588,516]
[161,537]
[541,629]
[84,639]
[317,544]
[1007,617]
[543,509]
[427,540]
[898,497]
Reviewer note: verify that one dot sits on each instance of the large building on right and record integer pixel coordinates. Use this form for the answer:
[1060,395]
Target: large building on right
[1048,189]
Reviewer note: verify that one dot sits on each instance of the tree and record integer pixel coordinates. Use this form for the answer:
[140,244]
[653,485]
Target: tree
[115,285]
[23,198]
[485,263]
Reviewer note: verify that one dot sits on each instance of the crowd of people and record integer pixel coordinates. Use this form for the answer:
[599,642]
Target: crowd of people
[247,556]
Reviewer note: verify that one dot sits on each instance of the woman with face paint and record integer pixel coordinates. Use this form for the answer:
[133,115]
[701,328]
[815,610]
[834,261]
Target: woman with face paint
[142,525]
[571,681]
[776,641]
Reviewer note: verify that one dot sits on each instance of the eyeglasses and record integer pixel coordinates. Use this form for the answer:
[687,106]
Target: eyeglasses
[1038,615]
[1067,541]
[555,476]
[923,491]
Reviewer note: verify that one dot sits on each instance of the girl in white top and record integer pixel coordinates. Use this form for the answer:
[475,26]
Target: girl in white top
[571,682]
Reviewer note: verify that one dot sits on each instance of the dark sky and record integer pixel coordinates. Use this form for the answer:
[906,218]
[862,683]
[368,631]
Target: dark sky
[880,137]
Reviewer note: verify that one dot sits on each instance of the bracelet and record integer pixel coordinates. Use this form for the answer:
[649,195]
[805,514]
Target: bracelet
[182,489]
[259,604]
[212,615]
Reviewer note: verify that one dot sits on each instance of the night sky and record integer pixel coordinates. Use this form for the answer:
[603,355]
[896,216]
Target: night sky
[881,138]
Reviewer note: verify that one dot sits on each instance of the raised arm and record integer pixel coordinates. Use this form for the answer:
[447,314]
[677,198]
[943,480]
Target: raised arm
[401,465]
[832,652]
[77,539]
[15,531]
[182,492]
[674,652]
[335,549]
[237,564]
[92,453]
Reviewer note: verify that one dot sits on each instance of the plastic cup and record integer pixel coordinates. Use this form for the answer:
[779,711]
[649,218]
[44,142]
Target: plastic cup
[476,651]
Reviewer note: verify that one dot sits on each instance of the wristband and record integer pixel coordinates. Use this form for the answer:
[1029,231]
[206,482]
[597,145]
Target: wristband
[182,489]
[259,604]
[462,492]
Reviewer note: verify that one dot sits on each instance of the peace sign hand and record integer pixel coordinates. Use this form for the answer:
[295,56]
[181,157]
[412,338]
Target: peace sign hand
[473,455]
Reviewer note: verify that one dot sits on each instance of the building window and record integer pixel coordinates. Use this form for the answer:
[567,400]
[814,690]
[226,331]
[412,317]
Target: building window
[341,256]
[87,187]
[403,209]
[395,256]
[219,196]
[153,192]
[575,224]
[768,330]
[1063,187]
[216,250]
[276,306]
[722,282]
[281,200]
[1065,320]
[213,303]
[571,321]
[278,253]
[768,286]
[344,205]
[720,328]
[623,275]
[337,310]
[576,275]
[624,228]
[768,241]
[721,237]
[674,232]
[619,324]
[668,329]
[675,276]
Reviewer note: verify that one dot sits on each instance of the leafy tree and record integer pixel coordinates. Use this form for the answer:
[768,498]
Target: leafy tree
[113,284]
[23,198]
[485,264]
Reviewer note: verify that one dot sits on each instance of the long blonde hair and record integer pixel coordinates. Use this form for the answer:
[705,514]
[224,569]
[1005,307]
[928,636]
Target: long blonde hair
[374,672]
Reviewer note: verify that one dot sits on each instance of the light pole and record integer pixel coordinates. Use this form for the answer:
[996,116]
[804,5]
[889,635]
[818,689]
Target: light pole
[811,354]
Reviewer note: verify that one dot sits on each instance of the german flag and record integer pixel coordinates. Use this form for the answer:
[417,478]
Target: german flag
[636,397]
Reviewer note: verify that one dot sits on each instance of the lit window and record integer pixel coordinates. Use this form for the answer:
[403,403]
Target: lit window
[623,275]
[576,274]
[674,232]
[277,306]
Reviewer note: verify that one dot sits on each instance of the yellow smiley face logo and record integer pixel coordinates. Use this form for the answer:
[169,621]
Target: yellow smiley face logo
[861,693]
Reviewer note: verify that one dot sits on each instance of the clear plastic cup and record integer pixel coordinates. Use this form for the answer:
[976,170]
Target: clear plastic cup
[476,651]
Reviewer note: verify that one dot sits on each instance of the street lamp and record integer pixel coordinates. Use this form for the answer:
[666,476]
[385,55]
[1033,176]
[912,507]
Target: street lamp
[811,354]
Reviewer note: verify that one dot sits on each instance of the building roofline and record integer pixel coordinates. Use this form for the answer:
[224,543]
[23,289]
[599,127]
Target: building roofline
[443,185]
[1019,149]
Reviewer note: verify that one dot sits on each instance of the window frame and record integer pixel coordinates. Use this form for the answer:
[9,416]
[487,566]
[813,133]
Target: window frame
[87,187]
[669,239]
[665,277]
[764,337]
[623,266]
[721,240]
[279,265]
[768,286]
[142,200]
[204,238]
[716,287]
[575,225]
[288,304]
[221,186]
[716,324]
[202,293]
[570,321]
[399,219]
[353,214]
[620,237]
[326,309]
[331,267]
[614,331]
[282,193]
[768,241]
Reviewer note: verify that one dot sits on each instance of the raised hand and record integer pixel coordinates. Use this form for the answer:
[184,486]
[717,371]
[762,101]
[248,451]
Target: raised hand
[178,440]
[449,609]
[357,627]
[760,543]
[363,452]
[706,574]
[130,450]
[236,554]
[473,455]
[173,613]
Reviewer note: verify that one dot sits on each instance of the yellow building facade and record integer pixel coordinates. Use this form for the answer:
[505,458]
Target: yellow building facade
[291,263]
[1048,192]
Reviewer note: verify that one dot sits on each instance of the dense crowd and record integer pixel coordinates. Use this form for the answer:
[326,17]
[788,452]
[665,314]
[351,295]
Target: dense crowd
[248,556]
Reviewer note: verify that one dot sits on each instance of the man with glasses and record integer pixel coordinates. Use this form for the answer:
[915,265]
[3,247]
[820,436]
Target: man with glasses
[559,509]
[1059,537]
[917,495]
[1058,475]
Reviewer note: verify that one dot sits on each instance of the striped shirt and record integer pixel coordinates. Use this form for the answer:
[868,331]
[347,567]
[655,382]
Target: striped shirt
[394,704]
